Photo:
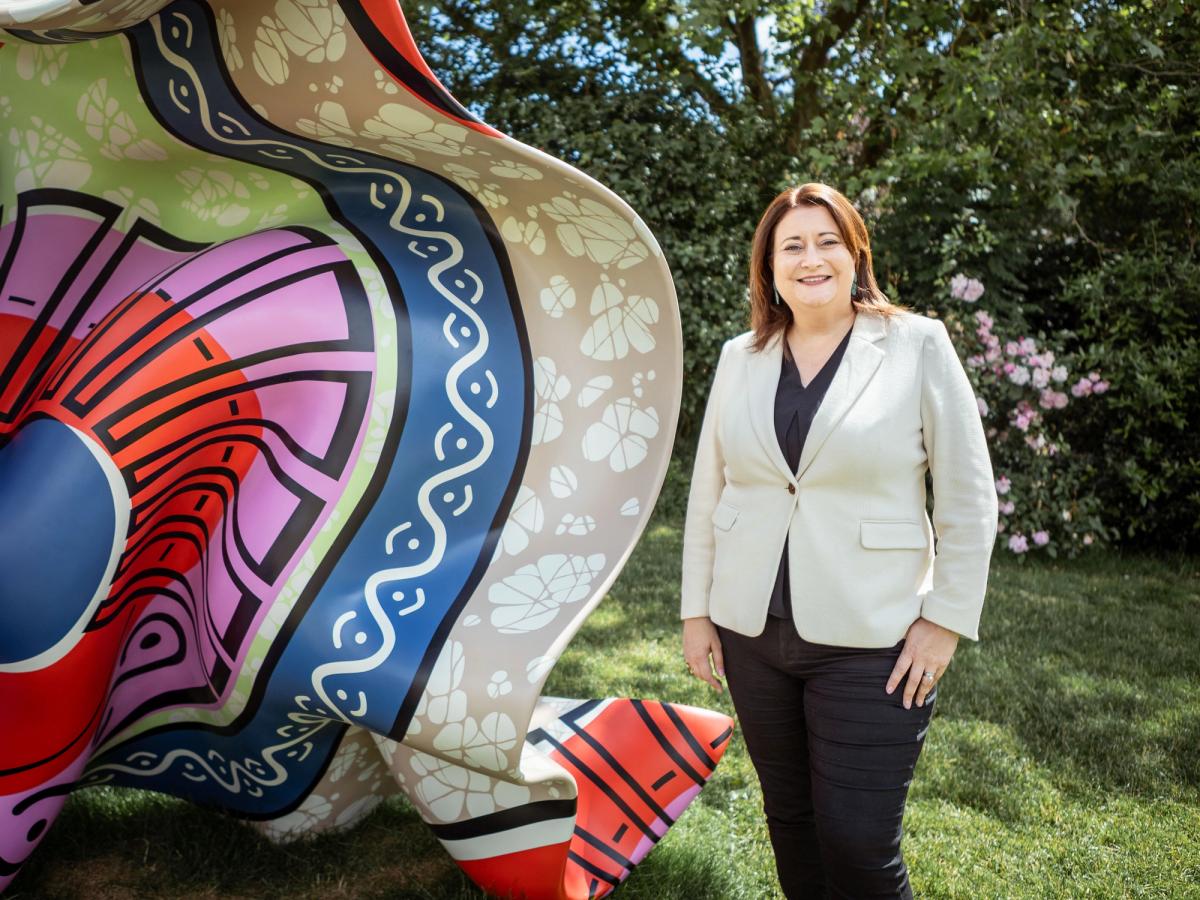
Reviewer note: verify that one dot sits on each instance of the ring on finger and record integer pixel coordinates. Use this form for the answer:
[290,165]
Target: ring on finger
[929,675]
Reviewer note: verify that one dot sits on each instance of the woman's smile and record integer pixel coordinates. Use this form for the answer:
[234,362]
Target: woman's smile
[813,267]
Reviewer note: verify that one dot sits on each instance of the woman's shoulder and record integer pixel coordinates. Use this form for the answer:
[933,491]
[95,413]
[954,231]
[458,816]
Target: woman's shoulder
[739,344]
[913,326]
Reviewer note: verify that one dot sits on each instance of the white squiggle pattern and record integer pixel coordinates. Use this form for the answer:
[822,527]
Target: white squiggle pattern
[284,150]
[247,776]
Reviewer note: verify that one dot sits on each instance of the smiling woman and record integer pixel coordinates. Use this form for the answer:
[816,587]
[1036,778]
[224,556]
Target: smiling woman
[809,573]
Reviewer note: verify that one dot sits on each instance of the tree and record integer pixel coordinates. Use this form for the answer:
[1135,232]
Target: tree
[1046,148]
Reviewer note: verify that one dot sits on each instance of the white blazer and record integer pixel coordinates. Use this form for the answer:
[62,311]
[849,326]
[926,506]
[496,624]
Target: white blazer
[862,560]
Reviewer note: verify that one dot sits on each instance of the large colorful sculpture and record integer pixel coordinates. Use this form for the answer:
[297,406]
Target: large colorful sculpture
[327,414]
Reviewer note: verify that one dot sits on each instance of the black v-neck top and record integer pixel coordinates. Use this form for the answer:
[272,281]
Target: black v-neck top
[795,407]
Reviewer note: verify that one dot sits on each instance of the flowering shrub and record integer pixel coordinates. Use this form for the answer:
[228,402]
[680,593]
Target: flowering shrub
[1021,387]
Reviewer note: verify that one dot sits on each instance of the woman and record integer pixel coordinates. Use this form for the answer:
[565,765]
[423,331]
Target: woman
[810,580]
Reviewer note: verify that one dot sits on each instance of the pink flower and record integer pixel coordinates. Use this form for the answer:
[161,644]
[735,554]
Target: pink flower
[1087,538]
[1099,387]
[1093,376]
[1018,543]
[1000,527]
[1081,388]
[1009,368]
[1007,507]
[1019,375]
[983,407]
[1059,374]
[1028,346]
[1003,485]
[1012,348]
[1041,538]
[1047,358]
[966,289]
[992,354]
[1035,443]
[984,320]
[975,362]
[1052,399]
[1024,416]
[1041,378]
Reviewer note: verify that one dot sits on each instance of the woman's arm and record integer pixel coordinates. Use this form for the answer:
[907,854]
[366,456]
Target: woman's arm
[964,492]
[964,519]
[708,480]
[701,644]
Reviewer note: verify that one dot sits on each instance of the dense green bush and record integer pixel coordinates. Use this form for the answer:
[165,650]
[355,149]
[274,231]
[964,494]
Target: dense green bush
[1048,150]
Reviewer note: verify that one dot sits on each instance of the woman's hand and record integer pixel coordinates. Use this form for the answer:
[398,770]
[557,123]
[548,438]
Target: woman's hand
[927,648]
[700,640]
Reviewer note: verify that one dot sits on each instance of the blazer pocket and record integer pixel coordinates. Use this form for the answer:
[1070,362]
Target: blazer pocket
[724,516]
[893,536]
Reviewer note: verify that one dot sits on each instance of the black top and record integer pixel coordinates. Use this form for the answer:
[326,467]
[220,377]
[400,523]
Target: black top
[795,406]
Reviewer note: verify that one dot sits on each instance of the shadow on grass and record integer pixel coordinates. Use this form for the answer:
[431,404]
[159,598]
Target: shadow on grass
[1086,686]
[112,842]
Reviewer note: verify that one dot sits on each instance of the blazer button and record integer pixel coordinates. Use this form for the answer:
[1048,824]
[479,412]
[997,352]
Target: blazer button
[791,489]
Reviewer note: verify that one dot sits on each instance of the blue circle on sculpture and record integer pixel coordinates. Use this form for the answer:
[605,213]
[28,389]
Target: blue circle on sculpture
[52,565]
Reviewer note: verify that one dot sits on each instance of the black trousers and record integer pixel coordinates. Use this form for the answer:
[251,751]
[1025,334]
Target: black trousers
[834,755]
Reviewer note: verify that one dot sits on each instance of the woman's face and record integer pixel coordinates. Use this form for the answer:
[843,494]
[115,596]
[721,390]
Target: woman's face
[811,263]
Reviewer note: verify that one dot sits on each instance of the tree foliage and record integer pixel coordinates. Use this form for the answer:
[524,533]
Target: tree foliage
[1047,149]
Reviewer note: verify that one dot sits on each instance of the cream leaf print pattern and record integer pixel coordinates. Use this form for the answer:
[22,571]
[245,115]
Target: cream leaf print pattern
[270,55]
[622,435]
[550,388]
[448,790]
[519,170]
[106,122]
[468,178]
[45,157]
[527,516]
[227,37]
[312,29]
[481,744]
[621,322]
[530,598]
[589,228]
[40,62]
[214,195]
[329,124]
[404,129]
[531,235]
[558,297]
[442,701]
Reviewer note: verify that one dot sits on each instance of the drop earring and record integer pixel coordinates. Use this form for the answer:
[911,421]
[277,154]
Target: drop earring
[778,299]
[854,287]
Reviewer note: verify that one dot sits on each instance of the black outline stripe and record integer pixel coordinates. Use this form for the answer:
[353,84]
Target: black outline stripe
[665,744]
[692,742]
[617,857]
[605,789]
[399,67]
[506,820]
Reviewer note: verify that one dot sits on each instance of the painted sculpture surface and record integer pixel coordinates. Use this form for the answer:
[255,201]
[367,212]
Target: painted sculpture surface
[327,414]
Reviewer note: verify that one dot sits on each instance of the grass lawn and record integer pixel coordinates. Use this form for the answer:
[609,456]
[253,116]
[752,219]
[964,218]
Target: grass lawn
[1063,761]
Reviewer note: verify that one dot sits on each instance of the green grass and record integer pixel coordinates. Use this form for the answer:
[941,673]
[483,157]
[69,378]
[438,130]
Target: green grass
[1063,761]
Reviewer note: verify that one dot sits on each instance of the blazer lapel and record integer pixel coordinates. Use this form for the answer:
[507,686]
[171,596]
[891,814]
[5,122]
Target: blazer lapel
[862,358]
[763,382]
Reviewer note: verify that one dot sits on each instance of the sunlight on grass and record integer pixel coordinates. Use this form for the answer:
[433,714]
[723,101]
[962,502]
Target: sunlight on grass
[1063,762]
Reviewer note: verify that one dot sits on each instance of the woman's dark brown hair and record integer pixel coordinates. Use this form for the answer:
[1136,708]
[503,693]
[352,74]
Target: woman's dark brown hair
[767,318]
